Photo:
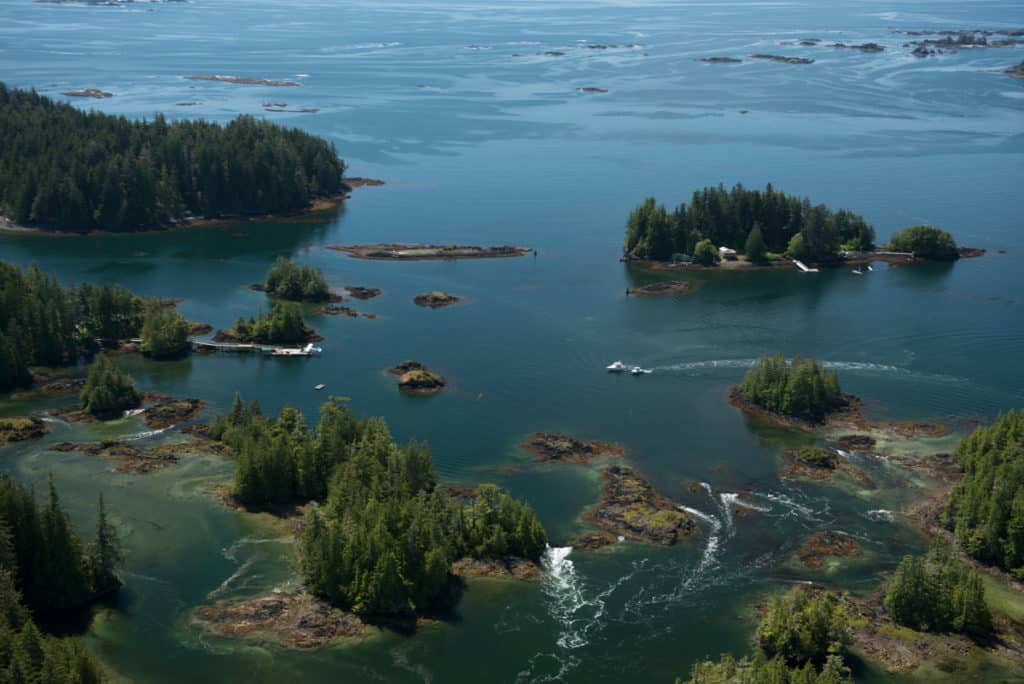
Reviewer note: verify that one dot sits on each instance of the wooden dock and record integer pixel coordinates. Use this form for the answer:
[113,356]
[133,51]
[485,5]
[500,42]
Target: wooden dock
[232,347]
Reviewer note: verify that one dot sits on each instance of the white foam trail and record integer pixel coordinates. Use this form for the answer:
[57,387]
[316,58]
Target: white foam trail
[231,552]
[55,421]
[730,499]
[226,584]
[709,558]
[880,515]
[786,501]
[144,434]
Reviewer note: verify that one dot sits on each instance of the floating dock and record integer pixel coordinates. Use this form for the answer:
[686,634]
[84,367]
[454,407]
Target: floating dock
[803,267]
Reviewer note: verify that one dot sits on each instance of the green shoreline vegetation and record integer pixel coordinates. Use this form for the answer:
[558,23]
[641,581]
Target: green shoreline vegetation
[47,570]
[717,217]
[67,169]
[799,389]
[108,390]
[45,324]
[289,280]
[284,324]
[383,541]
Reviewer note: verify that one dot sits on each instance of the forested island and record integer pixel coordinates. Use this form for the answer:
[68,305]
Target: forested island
[768,228]
[289,280]
[284,324]
[384,538]
[65,169]
[799,389]
[759,222]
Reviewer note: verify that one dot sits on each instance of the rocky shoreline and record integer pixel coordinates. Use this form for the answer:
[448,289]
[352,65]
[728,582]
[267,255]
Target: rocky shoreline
[21,429]
[243,80]
[630,507]
[552,447]
[436,299]
[663,288]
[420,252]
[331,298]
[850,416]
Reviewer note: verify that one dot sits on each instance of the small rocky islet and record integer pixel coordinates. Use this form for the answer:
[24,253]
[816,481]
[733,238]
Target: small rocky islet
[415,378]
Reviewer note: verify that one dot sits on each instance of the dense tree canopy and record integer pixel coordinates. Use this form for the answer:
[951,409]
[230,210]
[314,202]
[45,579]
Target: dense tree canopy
[727,218]
[384,540]
[801,639]
[164,333]
[938,593]
[283,325]
[986,508]
[75,170]
[108,390]
[43,323]
[53,568]
[925,241]
[289,280]
[802,389]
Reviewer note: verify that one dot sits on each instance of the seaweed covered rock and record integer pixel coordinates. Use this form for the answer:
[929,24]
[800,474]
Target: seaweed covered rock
[631,507]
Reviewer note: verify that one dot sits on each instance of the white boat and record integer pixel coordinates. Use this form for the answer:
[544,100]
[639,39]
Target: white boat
[307,350]
[857,271]
[310,349]
[869,268]
[319,387]
[616,367]
[637,370]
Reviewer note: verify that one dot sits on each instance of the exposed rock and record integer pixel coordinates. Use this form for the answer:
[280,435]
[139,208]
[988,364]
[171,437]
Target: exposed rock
[360,182]
[421,381]
[196,329]
[784,60]
[172,412]
[555,447]
[720,60]
[591,89]
[663,288]
[818,546]
[362,292]
[335,310]
[820,465]
[510,567]
[418,252]
[242,80]
[294,620]
[406,366]
[862,443]
[89,92]
[849,416]
[593,540]
[128,458]
[1016,71]
[863,47]
[631,507]
[970,252]
[436,299]
[461,491]
[20,429]
[63,386]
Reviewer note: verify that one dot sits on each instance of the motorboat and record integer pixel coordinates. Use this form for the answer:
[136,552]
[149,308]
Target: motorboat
[319,387]
[307,350]
[637,370]
[857,271]
[870,268]
[616,367]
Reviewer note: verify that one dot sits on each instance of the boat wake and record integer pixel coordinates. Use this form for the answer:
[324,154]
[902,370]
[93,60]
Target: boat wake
[226,584]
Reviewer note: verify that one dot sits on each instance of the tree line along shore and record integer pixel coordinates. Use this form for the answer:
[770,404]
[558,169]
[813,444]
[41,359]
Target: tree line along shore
[65,169]
[768,227]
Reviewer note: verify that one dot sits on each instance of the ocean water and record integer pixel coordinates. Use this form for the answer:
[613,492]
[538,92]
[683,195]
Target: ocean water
[483,139]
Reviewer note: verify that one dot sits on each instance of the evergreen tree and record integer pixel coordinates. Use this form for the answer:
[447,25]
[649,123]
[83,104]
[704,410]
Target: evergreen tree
[801,389]
[289,280]
[925,241]
[105,554]
[164,333]
[65,168]
[705,253]
[755,248]
[108,390]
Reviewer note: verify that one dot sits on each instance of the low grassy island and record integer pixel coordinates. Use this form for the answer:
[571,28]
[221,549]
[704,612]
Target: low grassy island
[436,299]
[800,391]
[421,381]
[283,325]
[289,280]
[417,252]
[558,448]
[65,169]
[20,429]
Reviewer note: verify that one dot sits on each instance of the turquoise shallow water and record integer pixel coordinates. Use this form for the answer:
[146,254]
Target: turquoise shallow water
[498,148]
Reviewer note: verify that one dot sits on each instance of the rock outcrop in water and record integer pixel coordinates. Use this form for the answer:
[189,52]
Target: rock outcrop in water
[295,620]
[557,448]
[418,252]
[436,299]
[89,92]
[20,429]
[172,412]
[783,59]
[421,382]
[362,292]
[632,508]
[663,288]
[816,548]
[242,80]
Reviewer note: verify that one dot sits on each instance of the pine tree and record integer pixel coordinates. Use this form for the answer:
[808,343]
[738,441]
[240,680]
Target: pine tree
[755,248]
[105,554]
